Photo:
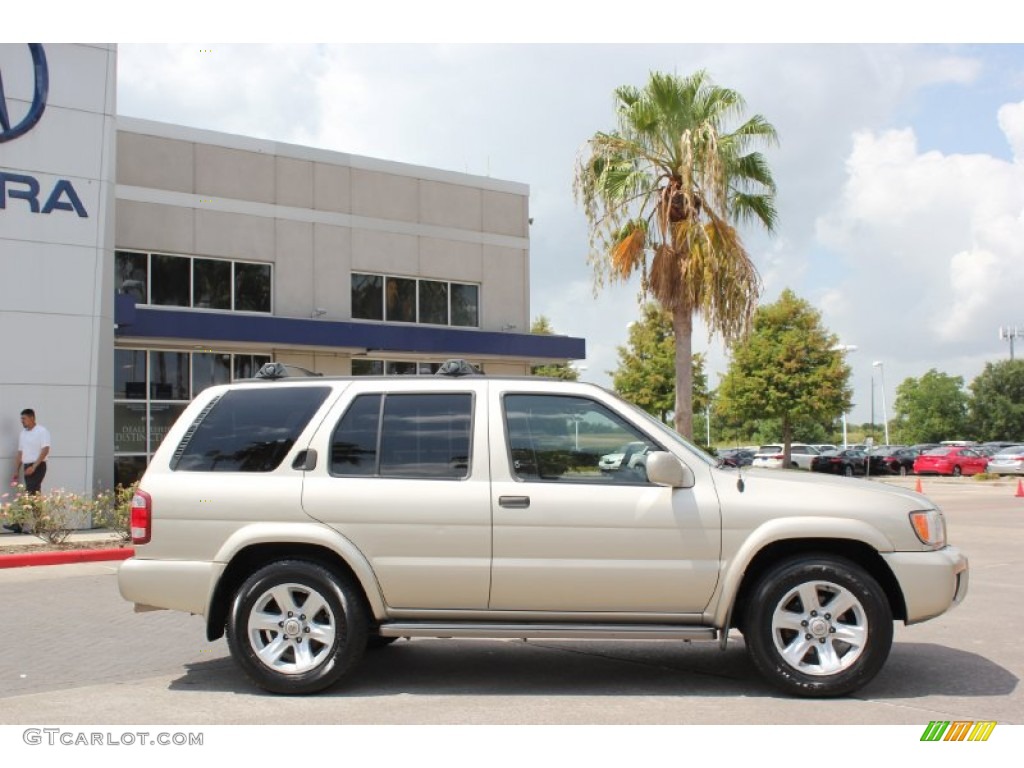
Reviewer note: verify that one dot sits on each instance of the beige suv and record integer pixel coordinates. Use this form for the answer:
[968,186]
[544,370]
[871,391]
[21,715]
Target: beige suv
[313,518]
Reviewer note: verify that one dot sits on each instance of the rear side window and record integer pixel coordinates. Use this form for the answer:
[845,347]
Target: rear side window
[248,430]
[405,436]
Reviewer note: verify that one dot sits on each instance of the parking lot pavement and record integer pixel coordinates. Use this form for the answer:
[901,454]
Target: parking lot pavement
[90,659]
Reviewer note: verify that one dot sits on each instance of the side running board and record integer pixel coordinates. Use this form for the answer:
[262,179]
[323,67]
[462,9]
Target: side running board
[559,631]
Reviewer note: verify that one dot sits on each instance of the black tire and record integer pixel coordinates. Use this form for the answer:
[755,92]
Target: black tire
[828,655]
[267,626]
[957,471]
[848,470]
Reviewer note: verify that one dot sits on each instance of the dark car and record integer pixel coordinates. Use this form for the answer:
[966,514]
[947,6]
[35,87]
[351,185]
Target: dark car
[847,462]
[736,457]
[893,460]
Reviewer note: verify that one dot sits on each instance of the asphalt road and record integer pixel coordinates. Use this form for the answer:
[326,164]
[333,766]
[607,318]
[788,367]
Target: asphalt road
[76,653]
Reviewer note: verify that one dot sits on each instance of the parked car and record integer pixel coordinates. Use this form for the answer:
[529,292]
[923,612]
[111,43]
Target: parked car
[772,456]
[313,519]
[950,460]
[1009,461]
[630,455]
[892,460]
[736,457]
[826,447]
[847,462]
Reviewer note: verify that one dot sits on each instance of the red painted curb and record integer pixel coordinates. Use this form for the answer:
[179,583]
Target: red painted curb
[65,556]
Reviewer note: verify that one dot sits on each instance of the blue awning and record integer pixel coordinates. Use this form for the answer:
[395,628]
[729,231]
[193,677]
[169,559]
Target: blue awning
[210,327]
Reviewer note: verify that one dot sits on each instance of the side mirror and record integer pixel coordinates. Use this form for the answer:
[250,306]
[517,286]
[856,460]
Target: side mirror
[665,469]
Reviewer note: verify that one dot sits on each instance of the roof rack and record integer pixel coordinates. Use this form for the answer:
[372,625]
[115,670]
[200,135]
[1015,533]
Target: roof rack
[456,367]
[275,371]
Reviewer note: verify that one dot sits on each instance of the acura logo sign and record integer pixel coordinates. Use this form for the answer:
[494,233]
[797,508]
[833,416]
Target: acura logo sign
[39,94]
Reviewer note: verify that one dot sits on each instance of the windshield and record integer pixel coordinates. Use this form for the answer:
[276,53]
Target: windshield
[670,434]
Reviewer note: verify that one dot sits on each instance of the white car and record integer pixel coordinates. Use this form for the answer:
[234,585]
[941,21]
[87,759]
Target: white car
[635,451]
[771,456]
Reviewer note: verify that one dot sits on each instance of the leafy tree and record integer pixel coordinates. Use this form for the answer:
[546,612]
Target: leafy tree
[663,194]
[786,370]
[646,374]
[562,371]
[931,408]
[997,402]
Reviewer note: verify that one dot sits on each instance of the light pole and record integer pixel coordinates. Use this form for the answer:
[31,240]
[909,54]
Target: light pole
[844,348]
[885,416]
[1009,334]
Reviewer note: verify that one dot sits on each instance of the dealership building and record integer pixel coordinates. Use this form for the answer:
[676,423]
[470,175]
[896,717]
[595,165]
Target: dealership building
[141,262]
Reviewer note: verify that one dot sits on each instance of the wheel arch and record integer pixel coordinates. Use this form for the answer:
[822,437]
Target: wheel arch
[251,558]
[858,552]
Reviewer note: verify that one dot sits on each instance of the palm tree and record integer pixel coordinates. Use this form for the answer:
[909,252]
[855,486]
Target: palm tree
[664,193]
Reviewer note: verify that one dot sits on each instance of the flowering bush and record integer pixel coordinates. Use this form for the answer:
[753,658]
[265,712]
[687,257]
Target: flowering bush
[52,516]
[113,510]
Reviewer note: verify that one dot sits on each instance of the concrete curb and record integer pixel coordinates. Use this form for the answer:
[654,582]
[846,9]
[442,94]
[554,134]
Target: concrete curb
[63,557]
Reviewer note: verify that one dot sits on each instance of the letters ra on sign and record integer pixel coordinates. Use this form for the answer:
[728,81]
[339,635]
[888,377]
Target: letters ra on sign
[15,186]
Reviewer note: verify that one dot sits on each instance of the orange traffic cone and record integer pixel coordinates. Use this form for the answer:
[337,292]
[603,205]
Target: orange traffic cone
[1020,490]
[918,486]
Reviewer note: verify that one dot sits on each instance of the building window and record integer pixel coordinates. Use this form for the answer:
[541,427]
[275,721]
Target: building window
[152,387]
[368,297]
[364,367]
[408,300]
[165,280]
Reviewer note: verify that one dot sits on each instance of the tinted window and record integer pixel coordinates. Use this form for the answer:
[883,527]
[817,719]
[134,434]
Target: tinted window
[248,430]
[171,280]
[426,436]
[211,284]
[423,436]
[354,443]
[401,300]
[465,305]
[132,271]
[252,287]
[367,297]
[559,438]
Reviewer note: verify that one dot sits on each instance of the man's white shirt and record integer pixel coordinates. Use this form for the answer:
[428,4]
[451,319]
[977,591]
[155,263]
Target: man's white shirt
[31,443]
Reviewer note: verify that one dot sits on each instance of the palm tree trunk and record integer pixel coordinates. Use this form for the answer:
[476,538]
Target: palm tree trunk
[682,326]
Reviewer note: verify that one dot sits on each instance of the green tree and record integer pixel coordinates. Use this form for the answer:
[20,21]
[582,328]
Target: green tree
[931,408]
[646,374]
[997,402]
[664,193]
[786,369]
[562,371]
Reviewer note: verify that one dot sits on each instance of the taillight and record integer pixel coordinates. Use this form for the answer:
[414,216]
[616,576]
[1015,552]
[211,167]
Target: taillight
[142,517]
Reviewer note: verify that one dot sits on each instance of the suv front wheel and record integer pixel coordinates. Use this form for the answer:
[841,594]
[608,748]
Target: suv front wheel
[296,628]
[818,627]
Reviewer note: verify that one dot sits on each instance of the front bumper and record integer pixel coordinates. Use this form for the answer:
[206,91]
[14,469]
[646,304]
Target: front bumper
[932,582]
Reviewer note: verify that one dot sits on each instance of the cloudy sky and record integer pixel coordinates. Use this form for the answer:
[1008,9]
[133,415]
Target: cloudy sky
[900,167]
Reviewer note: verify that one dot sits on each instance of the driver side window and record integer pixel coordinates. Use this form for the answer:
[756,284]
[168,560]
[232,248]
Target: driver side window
[554,438]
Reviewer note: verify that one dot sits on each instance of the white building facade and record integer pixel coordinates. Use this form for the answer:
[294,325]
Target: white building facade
[203,255]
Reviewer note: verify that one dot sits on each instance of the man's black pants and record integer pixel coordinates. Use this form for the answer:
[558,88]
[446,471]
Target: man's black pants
[34,482]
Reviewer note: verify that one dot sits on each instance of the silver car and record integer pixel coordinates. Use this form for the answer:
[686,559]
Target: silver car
[1008,461]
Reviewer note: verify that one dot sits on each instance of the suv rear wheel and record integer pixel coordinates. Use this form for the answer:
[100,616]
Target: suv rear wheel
[818,627]
[296,628]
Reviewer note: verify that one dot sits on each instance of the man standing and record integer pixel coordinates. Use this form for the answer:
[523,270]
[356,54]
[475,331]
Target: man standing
[33,448]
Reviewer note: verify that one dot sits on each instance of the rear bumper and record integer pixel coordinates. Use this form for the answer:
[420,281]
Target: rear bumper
[179,585]
[932,582]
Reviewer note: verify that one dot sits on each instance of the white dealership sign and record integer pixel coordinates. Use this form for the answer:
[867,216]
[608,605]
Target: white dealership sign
[57,146]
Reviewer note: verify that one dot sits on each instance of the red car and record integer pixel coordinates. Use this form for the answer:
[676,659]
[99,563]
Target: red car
[950,461]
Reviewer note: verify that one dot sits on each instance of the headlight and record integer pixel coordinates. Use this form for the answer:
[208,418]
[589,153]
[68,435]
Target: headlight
[930,527]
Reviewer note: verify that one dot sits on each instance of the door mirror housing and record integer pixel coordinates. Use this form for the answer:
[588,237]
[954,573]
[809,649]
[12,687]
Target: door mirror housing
[665,469]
